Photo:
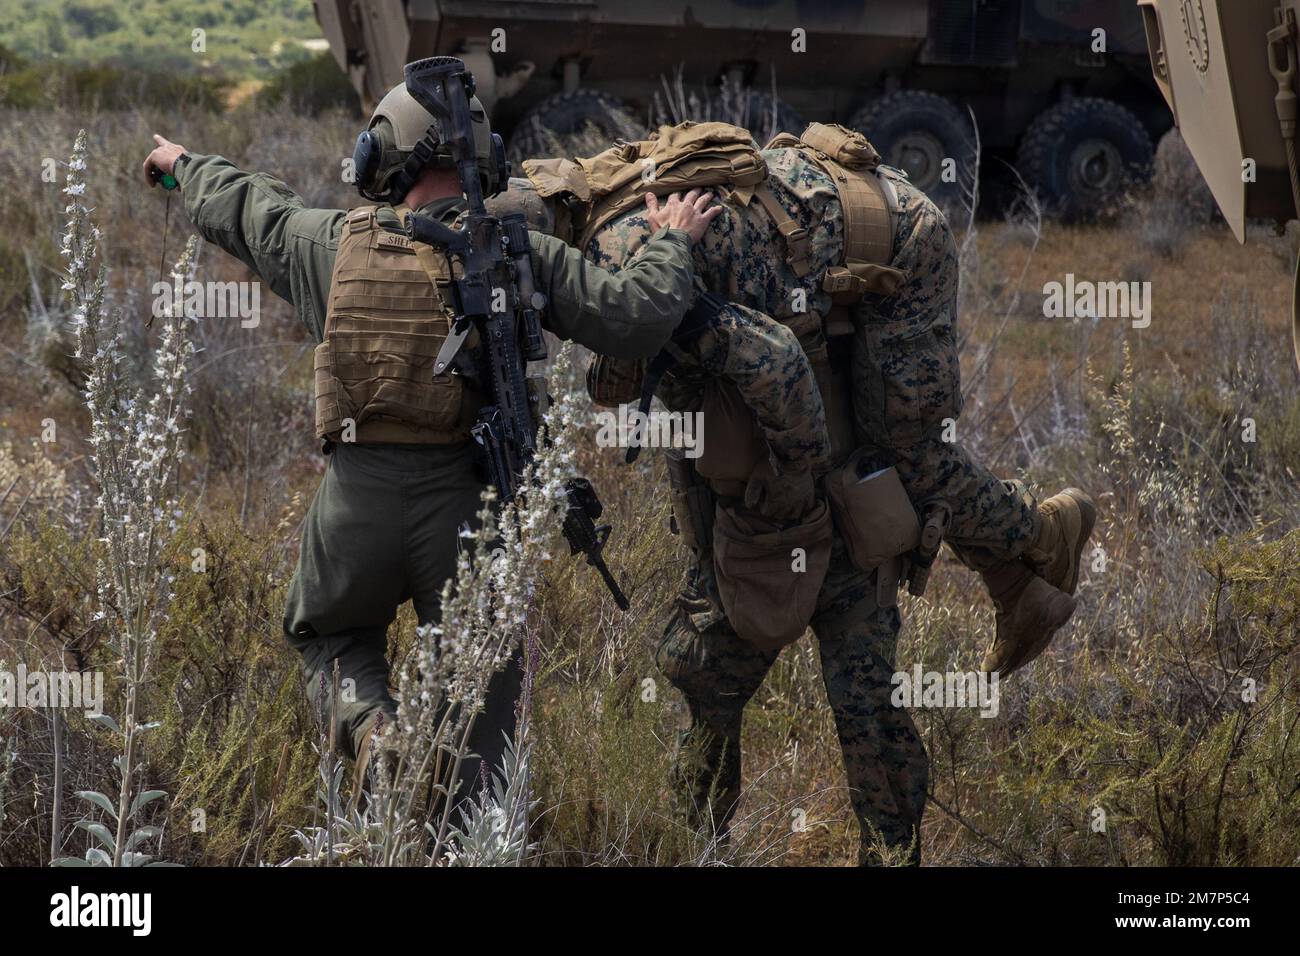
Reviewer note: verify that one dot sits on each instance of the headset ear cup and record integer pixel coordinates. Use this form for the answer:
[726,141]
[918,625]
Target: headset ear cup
[500,174]
[365,159]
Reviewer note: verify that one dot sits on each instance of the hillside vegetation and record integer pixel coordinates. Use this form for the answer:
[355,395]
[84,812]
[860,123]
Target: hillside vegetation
[243,37]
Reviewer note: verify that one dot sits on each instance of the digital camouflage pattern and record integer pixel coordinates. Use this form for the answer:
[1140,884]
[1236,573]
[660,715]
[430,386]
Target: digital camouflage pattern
[718,672]
[763,358]
[907,388]
[905,384]
[906,374]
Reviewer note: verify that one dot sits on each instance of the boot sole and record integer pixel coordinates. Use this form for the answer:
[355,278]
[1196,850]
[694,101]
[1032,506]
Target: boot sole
[1064,610]
[1053,619]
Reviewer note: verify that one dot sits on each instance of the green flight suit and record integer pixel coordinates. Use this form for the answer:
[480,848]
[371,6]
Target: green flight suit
[383,527]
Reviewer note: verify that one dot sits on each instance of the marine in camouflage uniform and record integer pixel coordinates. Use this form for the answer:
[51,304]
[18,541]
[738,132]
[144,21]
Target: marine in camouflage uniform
[904,354]
[383,527]
[906,388]
[717,670]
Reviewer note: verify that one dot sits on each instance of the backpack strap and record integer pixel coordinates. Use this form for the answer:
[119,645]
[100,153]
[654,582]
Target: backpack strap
[868,223]
[869,204]
[797,243]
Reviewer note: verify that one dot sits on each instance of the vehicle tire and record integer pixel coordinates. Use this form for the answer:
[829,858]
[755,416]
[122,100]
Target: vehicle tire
[1081,155]
[583,122]
[916,131]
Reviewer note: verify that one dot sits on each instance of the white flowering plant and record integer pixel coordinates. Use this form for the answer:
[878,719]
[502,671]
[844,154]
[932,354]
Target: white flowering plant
[136,445]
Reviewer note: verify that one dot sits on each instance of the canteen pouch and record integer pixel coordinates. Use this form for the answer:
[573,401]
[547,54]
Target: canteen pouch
[768,590]
[872,512]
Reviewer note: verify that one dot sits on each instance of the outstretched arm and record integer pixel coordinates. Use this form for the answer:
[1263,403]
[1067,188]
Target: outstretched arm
[260,221]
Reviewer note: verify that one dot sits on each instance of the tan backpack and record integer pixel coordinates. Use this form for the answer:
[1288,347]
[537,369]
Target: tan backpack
[676,158]
[594,191]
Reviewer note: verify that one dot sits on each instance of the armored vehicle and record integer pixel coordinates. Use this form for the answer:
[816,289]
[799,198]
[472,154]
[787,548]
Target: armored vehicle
[1059,87]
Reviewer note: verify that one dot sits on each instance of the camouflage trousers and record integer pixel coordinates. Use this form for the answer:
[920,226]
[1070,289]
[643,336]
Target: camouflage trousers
[919,400]
[907,397]
[718,672]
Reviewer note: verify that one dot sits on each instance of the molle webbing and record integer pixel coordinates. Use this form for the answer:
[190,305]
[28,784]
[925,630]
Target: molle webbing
[868,208]
[851,162]
[385,322]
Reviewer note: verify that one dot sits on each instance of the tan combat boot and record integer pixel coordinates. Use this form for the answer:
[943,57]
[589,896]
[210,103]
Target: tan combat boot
[363,773]
[1032,605]
[1064,527]
[1029,612]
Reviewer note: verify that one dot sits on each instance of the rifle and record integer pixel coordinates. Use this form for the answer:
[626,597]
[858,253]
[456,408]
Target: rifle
[493,268]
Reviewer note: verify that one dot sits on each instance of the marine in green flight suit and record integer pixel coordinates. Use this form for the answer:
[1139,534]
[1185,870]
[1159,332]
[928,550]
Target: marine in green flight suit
[384,525]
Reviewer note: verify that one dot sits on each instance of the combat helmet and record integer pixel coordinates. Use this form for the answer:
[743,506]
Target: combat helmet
[554,196]
[387,161]
[521,197]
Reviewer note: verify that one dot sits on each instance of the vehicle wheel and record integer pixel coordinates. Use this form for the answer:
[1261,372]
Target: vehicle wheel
[580,123]
[1082,154]
[916,131]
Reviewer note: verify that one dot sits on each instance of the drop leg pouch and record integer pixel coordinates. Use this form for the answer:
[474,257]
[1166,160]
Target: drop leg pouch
[769,577]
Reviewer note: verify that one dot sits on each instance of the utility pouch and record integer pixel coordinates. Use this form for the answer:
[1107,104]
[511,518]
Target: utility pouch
[693,502]
[769,577]
[839,144]
[872,512]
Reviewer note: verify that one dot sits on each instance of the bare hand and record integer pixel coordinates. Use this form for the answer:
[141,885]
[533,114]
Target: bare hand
[163,158]
[691,214]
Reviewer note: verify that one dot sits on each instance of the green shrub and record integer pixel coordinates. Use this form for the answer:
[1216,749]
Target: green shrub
[51,84]
[311,86]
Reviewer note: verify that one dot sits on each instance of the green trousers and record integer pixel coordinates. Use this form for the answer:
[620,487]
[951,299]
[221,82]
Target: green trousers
[384,529]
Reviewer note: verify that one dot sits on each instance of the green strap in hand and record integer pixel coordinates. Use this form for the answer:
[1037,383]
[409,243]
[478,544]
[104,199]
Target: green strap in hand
[166,180]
